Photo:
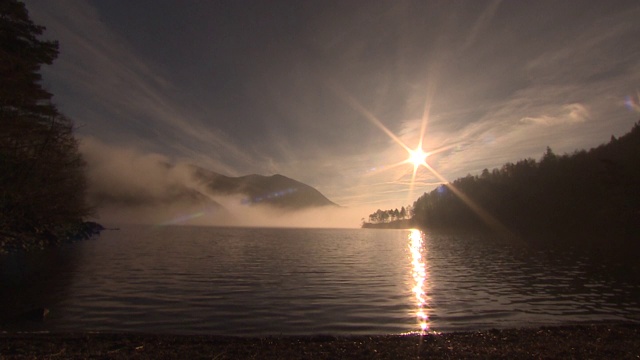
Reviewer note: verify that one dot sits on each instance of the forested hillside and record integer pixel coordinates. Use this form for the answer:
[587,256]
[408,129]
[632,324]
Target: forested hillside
[588,198]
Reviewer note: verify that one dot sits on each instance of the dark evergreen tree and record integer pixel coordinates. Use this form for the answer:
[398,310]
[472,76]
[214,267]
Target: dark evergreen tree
[42,180]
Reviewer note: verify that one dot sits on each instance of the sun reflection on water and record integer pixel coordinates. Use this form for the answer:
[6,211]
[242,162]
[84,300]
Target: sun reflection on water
[419,272]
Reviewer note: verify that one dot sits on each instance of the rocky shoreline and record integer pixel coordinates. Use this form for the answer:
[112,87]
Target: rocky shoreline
[597,341]
[39,239]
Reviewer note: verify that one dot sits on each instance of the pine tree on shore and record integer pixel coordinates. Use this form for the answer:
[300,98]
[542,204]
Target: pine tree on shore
[42,179]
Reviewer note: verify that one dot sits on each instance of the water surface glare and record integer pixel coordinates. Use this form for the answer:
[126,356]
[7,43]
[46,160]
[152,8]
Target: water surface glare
[234,281]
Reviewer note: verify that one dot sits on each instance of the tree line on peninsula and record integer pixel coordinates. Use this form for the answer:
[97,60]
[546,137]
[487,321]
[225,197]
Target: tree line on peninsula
[389,219]
[42,174]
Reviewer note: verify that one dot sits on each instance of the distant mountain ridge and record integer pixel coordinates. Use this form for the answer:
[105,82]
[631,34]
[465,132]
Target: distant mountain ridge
[185,185]
[276,190]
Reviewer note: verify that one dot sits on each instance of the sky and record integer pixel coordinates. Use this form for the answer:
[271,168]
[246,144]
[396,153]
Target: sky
[325,91]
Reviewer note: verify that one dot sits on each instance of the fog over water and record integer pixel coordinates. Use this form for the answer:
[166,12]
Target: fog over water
[128,186]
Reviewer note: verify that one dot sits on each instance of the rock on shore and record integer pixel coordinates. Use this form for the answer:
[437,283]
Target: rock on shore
[38,239]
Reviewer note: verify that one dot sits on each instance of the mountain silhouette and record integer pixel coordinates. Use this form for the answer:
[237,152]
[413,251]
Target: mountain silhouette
[276,190]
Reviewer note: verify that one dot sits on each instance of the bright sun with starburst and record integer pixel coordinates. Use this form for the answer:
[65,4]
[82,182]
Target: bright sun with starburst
[417,157]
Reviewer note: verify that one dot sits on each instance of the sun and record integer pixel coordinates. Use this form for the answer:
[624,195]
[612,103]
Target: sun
[417,157]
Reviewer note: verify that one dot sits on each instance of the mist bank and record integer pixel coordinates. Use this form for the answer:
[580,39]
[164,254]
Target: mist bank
[128,186]
[237,215]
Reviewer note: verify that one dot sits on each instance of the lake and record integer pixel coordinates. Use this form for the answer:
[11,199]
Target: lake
[252,281]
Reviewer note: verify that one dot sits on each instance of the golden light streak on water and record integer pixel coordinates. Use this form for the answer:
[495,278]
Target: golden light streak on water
[419,272]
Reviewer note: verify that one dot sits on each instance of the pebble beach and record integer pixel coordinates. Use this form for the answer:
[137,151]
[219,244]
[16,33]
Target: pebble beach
[598,341]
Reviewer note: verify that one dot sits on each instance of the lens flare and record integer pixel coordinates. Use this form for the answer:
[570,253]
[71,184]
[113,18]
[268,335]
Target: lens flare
[182,219]
[632,104]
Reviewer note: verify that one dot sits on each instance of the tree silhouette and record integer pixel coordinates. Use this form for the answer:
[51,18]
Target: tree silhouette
[588,199]
[42,181]
[392,218]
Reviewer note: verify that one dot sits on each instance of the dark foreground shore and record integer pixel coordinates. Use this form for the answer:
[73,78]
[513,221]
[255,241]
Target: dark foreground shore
[604,341]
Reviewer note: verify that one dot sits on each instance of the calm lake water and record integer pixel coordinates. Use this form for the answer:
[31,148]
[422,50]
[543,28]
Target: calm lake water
[234,281]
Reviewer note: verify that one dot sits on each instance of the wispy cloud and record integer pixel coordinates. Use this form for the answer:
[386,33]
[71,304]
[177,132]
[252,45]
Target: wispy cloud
[483,21]
[571,113]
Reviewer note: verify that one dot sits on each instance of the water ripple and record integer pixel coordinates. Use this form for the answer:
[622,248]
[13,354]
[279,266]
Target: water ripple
[285,281]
